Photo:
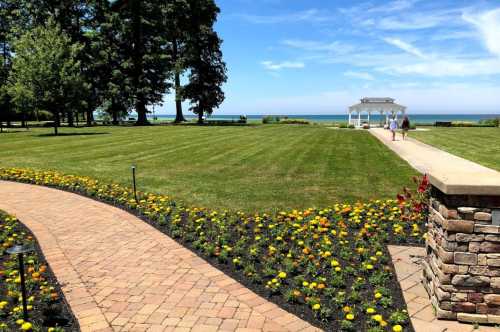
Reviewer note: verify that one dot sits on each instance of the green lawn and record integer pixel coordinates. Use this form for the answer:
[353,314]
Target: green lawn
[254,168]
[481,145]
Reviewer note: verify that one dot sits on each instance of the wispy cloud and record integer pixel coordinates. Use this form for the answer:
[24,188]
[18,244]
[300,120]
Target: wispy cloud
[407,47]
[276,66]
[488,24]
[446,68]
[359,75]
[311,15]
[336,47]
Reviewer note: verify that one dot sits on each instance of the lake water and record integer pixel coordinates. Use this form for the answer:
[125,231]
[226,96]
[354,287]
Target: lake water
[415,118]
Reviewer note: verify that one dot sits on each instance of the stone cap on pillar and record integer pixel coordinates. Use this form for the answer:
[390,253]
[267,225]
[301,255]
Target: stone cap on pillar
[480,181]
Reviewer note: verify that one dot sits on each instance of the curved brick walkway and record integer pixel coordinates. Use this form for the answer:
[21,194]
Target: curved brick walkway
[120,274]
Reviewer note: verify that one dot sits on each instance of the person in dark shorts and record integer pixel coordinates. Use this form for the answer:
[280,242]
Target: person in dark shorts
[405,126]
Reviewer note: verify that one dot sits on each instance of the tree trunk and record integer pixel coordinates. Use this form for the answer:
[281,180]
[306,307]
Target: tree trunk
[140,108]
[71,123]
[57,123]
[77,119]
[200,118]
[90,117]
[179,117]
[114,112]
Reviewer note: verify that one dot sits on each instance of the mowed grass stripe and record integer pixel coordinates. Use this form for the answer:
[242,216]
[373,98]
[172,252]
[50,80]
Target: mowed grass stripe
[259,168]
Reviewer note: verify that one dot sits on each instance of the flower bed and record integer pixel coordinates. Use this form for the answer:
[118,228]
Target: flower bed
[46,307]
[329,266]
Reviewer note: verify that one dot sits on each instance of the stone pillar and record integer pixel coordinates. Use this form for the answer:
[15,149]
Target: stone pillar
[462,268]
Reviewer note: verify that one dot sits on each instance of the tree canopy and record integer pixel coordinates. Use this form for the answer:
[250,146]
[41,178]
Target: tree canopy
[45,71]
[113,56]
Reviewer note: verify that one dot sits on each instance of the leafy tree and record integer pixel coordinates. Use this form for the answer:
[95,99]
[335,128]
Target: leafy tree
[108,63]
[150,66]
[204,60]
[45,70]
[177,24]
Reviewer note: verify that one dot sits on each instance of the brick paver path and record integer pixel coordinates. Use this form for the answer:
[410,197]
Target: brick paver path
[120,274]
[408,269]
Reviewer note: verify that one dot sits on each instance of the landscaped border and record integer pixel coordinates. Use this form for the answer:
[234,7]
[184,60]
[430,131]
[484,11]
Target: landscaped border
[47,307]
[330,267]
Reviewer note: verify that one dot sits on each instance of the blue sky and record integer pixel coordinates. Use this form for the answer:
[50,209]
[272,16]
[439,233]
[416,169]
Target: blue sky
[319,57]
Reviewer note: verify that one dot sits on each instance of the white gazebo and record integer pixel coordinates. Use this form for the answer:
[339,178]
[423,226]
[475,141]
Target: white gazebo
[384,106]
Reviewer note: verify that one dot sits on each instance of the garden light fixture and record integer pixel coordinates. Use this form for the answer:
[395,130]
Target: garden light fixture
[20,250]
[133,182]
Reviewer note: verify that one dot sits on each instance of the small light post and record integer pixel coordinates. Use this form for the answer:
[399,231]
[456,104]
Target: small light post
[133,182]
[20,250]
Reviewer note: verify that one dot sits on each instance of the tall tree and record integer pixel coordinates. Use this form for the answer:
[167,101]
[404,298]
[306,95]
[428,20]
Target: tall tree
[150,64]
[108,62]
[207,70]
[45,68]
[177,20]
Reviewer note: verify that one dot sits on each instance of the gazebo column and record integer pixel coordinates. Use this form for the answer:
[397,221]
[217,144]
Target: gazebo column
[368,117]
[359,119]
[349,118]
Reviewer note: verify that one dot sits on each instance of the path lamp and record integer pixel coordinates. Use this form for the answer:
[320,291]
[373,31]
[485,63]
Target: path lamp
[20,250]
[133,182]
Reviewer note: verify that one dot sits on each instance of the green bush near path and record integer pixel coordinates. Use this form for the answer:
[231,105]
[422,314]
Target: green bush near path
[481,145]
[256,168]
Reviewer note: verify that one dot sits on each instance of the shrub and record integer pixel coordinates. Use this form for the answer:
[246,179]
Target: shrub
[294,121]
[351,126]
[268,119]
[491,122]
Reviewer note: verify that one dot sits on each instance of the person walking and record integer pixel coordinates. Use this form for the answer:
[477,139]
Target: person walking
[405,126]
[393,126]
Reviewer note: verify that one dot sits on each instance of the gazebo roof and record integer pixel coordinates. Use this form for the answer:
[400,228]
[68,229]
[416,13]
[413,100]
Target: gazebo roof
[377,105]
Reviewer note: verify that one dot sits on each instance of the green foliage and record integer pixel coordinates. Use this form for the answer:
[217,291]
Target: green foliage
[491,122]
[45,71]
[268,119]
[207,71]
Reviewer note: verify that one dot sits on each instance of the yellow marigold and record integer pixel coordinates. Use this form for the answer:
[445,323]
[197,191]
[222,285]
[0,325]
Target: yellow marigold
[377,318]
[397,328]
[370,311]
[282,275]
[317,306]
[26,326]
[349,317]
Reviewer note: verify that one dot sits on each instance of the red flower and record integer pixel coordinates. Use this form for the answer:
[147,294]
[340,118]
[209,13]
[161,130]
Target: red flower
[424,184]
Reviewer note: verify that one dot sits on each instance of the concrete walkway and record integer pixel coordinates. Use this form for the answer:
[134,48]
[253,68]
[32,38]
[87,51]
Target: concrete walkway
[451,174]
[120,274]
[409,270]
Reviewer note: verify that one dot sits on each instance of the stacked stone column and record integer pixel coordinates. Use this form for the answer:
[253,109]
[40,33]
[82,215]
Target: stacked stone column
[462,267]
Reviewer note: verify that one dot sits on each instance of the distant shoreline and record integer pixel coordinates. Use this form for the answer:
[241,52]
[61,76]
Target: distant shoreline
[415,118]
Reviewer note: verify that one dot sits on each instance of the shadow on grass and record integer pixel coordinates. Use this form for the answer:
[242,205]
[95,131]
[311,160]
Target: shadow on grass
[13,131]
[70,134]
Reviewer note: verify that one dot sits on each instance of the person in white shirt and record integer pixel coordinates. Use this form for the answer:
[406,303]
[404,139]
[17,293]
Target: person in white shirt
[393,126]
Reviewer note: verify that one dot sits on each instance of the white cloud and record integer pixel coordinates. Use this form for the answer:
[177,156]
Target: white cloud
[319,46]
[407,47]
[310,15]
[446,68]
[359,75]
[488,24]
[274,66]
